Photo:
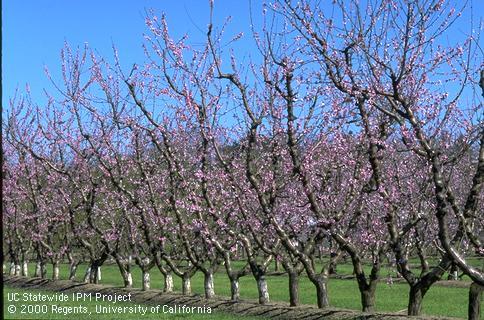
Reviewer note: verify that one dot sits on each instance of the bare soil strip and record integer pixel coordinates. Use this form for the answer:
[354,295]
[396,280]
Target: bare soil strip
[273,310]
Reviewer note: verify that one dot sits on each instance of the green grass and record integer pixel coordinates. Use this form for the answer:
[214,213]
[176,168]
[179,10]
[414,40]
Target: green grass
[439,301]
[47,310]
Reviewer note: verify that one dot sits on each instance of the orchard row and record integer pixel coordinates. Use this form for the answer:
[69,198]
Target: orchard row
[357,136]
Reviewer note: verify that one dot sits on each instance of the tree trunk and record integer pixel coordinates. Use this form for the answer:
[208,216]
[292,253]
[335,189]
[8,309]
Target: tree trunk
[38,270]
[209,285]
[17,269]
[72,266]
[87,275]
[475,298]
[277,265]
[95,275]
[55,270]
[25,268]
[293,289]
[321,290]
[124,267]
[333,267]
[415,301]
[128,283]
[186,285]
[262,289]
[168,286]
[127,277]
[234,289]
[260,278]
[368,299]
[12,269]
[146,280]
[167,275]
[43,270]
[73,270]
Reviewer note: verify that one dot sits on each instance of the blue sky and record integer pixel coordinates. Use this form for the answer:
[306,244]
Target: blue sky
[34,32]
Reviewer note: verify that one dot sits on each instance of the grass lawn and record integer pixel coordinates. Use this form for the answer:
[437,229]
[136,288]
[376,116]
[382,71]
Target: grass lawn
[53,310]
[440,300]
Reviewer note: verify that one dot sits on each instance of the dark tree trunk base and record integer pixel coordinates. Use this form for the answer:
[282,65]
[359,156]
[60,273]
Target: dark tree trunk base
[368,300]
[475,298]
[415,301]
[293,289]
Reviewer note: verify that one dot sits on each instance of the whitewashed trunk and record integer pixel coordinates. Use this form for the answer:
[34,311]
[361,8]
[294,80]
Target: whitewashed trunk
[235,289]
[87,276]
[98,273]
[263,291]
[38,270]
[12,269]
[168,283]
[186,285]
[43,270]
[25,269]
[17,269]
[209,286]
[129,279]
[146,280]
[55,271]
[72,272]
